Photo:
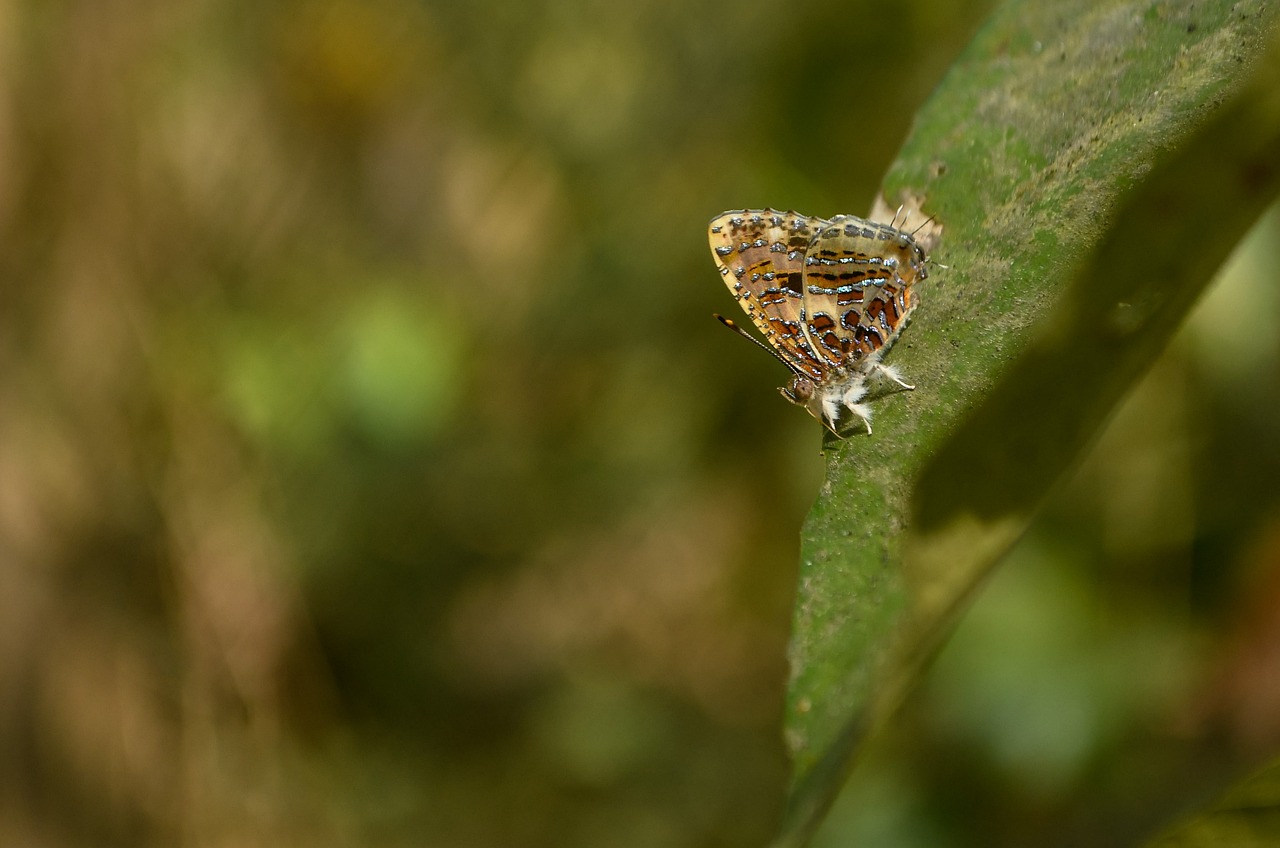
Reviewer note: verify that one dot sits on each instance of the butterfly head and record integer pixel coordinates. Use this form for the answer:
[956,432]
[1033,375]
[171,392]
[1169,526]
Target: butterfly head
[804,391]
[799,391]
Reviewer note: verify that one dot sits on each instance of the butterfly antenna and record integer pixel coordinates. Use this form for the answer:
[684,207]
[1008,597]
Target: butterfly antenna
[894,222]
[733,326]
[923,224]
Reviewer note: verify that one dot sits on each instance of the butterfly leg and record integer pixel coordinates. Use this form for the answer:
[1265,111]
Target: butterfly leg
[888,372]
[856,391]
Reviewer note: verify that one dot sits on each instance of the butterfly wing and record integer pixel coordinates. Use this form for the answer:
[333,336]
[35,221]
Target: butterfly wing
[761,255]
[857,292]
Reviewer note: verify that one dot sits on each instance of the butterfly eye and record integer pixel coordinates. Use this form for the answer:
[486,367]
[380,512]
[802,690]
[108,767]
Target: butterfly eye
[800,391]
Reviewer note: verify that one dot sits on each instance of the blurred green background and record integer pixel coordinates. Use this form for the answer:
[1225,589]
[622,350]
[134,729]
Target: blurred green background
[371,468]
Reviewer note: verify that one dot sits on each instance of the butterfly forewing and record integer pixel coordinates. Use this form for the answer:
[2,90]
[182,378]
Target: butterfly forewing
[761,256]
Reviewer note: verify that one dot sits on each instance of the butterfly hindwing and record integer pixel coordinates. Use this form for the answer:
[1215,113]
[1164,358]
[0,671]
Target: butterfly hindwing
[857,289]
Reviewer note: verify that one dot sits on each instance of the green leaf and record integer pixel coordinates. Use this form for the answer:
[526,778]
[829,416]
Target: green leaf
[1092,164]
[1248,815]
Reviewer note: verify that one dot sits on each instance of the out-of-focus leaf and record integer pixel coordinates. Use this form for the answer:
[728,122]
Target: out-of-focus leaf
[1247,816]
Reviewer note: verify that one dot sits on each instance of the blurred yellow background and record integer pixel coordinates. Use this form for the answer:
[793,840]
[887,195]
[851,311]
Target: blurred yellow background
[371,468]
[372,471]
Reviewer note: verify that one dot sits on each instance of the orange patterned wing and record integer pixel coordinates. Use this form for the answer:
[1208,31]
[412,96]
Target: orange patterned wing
[857,288]
[761,256]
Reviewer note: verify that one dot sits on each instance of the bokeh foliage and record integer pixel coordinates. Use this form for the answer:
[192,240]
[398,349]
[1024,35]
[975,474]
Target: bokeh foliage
[371,468]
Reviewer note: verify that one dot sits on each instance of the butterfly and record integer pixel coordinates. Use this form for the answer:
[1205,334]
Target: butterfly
[830,297]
